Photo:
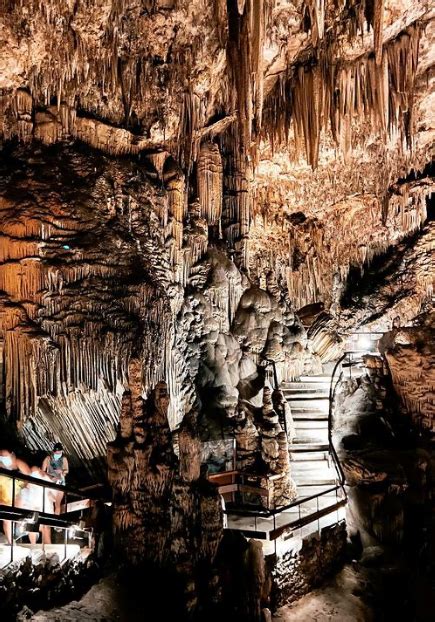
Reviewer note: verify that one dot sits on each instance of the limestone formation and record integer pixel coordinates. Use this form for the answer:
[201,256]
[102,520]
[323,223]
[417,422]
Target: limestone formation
[247,442]
[197,199]
[410,355]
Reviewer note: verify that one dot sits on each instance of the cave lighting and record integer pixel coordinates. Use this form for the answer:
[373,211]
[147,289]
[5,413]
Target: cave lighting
[364,343]
[77,532]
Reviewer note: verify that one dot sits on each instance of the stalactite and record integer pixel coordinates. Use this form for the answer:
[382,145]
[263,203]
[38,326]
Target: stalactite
[191,119]
[382,93]
[317,18]
[308,99]
[378,27]
[314,257]
[220,12]
[22,105]
[239,50]
[210,182]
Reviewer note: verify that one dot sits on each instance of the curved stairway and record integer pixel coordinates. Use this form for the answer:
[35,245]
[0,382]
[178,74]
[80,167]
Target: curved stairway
[312,466]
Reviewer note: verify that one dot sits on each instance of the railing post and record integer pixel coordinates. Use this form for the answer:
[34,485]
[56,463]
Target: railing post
[13,522]
[12,539]
[318,517]
[274,523]
[65,540]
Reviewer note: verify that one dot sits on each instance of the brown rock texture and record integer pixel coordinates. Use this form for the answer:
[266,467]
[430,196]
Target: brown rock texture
[191,192]
[410,354]
[162,515]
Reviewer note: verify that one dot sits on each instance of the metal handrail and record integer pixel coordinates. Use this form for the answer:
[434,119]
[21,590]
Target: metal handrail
[334,454]
[266,513]
[332,390]
[16,514]
[7,512]
[17,475]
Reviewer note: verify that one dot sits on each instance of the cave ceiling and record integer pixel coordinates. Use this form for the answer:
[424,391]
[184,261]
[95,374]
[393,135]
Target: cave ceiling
[292,140]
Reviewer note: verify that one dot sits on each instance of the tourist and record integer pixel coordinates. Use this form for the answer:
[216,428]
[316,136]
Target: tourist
[10,462]
[56,466]
[38,499]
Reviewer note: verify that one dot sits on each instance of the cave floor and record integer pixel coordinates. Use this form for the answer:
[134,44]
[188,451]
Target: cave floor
[104,602]
[334,601]
[355,594]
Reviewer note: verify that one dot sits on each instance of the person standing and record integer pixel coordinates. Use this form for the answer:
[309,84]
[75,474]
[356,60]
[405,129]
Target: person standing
[56,466]
[10,462]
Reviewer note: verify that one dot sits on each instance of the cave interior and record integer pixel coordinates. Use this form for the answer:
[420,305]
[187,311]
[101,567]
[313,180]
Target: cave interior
[217,266]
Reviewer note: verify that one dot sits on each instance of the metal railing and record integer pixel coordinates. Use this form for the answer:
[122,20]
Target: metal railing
[261,516]
[20,514]
[291,525]
[258,514]
[332,449]
[348,359]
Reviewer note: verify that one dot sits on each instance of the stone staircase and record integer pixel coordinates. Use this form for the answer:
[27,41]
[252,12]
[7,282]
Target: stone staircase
[313,469]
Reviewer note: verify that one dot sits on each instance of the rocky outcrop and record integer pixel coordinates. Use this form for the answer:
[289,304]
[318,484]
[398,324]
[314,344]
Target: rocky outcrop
[179,179]
[387,475]
[48,583]
[164,517]
[410,354]
[72,313]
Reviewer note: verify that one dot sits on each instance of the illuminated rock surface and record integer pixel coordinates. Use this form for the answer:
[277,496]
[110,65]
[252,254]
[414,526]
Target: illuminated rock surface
[194,193]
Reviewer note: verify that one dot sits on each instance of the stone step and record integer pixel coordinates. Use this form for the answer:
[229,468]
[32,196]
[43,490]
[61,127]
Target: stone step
[306,490]
[308,411]
[306,415]
[302,386]
[320,481]
[311,437]
[300,447]
[309,408]
[313,470]
[306,397]
[318,463]
[318,378]
[311,424]
[307,456]
[305,387]
[308,404]
[320,467]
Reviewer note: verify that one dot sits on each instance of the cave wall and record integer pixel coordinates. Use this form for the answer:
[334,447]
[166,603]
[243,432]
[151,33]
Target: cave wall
[387,463]
[410,356]
[297,572]
[178,180]
[78,295]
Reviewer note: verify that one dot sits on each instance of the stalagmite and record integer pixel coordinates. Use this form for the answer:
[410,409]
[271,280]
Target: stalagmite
[198,198]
